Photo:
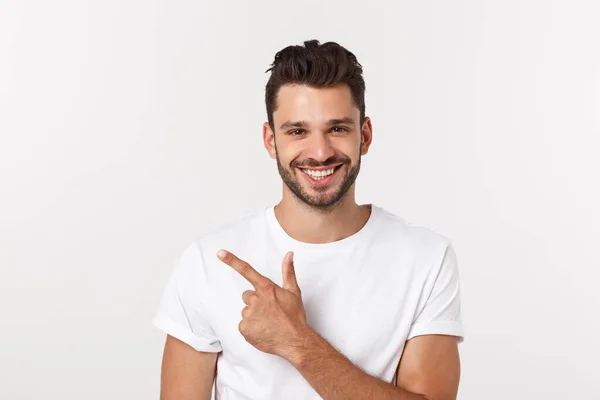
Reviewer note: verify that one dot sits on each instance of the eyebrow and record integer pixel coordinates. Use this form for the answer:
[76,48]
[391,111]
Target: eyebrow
[303,124]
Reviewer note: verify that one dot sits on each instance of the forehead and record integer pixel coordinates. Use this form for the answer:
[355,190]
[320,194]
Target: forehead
[314,105]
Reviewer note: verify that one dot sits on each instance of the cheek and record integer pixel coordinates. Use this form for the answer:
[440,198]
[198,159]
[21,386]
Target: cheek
[287,155]
[350,150]
[348,145]
[289,152]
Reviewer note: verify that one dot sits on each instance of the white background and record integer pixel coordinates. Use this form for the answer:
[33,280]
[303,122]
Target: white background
[129,126]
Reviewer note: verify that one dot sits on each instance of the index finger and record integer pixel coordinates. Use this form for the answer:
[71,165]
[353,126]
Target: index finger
[243,268]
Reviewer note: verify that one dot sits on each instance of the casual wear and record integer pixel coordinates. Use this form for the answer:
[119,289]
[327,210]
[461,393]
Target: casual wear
[366,295]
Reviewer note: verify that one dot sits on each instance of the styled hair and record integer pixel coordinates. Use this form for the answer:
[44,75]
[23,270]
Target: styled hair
[316,65]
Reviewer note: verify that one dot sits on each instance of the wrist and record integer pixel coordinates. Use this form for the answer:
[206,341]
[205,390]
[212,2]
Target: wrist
[303,340]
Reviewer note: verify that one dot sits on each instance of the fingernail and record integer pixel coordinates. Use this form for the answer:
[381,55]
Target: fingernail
[221,253]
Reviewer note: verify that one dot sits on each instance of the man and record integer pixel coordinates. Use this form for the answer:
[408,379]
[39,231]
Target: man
[317,296]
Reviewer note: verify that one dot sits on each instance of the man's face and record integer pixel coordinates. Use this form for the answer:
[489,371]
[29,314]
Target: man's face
[317,142]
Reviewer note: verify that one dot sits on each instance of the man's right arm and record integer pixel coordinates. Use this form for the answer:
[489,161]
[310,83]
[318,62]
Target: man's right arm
[186,373]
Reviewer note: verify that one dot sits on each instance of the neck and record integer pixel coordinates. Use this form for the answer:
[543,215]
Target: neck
[313,225]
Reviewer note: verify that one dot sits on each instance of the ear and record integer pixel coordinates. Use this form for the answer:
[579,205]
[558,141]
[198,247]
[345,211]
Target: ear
[367,136]
[269,140]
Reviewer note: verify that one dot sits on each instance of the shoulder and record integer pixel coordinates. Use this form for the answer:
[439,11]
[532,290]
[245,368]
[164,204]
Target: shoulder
[235,230]
[420,240]
[200,253]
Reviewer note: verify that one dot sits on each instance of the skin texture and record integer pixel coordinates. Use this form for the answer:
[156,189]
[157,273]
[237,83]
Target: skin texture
[186,374]
[308,133]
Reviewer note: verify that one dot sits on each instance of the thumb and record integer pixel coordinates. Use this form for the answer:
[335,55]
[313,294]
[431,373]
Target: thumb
[289,274]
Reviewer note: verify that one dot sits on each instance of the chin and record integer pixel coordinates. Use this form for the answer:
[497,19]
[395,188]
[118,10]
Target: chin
[331,198]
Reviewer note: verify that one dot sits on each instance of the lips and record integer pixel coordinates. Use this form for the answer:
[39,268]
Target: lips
[320,176]
[316,174]
[321,168]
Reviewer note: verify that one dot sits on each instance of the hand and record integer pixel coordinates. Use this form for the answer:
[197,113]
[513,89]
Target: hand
[274,320]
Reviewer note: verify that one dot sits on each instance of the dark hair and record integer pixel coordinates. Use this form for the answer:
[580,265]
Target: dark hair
[316,65]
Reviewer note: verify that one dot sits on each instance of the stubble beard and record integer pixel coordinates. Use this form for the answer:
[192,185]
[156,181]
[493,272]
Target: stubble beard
[323,201]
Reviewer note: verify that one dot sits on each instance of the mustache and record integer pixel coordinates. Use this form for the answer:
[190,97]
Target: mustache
[311,162]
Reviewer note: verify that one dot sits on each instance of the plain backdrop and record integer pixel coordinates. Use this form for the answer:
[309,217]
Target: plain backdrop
[127,127]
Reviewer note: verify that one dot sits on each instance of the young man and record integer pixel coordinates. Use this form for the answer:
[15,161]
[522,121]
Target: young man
[317,296]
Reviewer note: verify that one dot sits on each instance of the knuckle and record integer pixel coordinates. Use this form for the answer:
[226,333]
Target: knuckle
[269,289]
[266,284]
[244,267]
[245,312]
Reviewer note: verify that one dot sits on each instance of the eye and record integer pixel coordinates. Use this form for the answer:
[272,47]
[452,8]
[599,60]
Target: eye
[296,132]
[339,129]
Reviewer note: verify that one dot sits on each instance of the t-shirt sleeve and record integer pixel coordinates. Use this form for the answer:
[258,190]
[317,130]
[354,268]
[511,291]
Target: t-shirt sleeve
[441,312]
[183,309]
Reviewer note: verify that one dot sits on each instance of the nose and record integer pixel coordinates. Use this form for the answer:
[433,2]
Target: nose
[320,147]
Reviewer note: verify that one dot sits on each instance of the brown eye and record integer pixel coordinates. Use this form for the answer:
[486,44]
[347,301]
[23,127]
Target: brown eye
[339,129]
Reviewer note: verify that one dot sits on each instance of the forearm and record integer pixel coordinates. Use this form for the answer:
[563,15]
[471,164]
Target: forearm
[334,377]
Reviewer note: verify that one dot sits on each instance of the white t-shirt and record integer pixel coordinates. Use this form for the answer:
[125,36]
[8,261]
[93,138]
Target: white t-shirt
[366,295]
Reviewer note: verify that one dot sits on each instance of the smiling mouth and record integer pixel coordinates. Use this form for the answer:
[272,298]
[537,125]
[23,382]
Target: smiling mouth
[322,174]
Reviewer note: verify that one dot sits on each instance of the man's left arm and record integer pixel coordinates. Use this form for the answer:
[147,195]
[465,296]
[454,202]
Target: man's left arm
[429,370]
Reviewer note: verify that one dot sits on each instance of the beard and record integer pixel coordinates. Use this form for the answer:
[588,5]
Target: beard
[325,198]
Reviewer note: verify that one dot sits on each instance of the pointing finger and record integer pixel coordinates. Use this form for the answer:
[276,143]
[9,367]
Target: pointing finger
[243,268]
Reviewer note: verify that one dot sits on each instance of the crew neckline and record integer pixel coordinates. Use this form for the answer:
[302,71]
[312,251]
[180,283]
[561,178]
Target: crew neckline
[282,236]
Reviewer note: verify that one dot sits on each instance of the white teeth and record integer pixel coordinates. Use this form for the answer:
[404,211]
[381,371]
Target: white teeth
[318,174]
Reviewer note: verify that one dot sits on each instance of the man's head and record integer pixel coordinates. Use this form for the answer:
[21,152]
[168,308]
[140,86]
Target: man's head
[316,121]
